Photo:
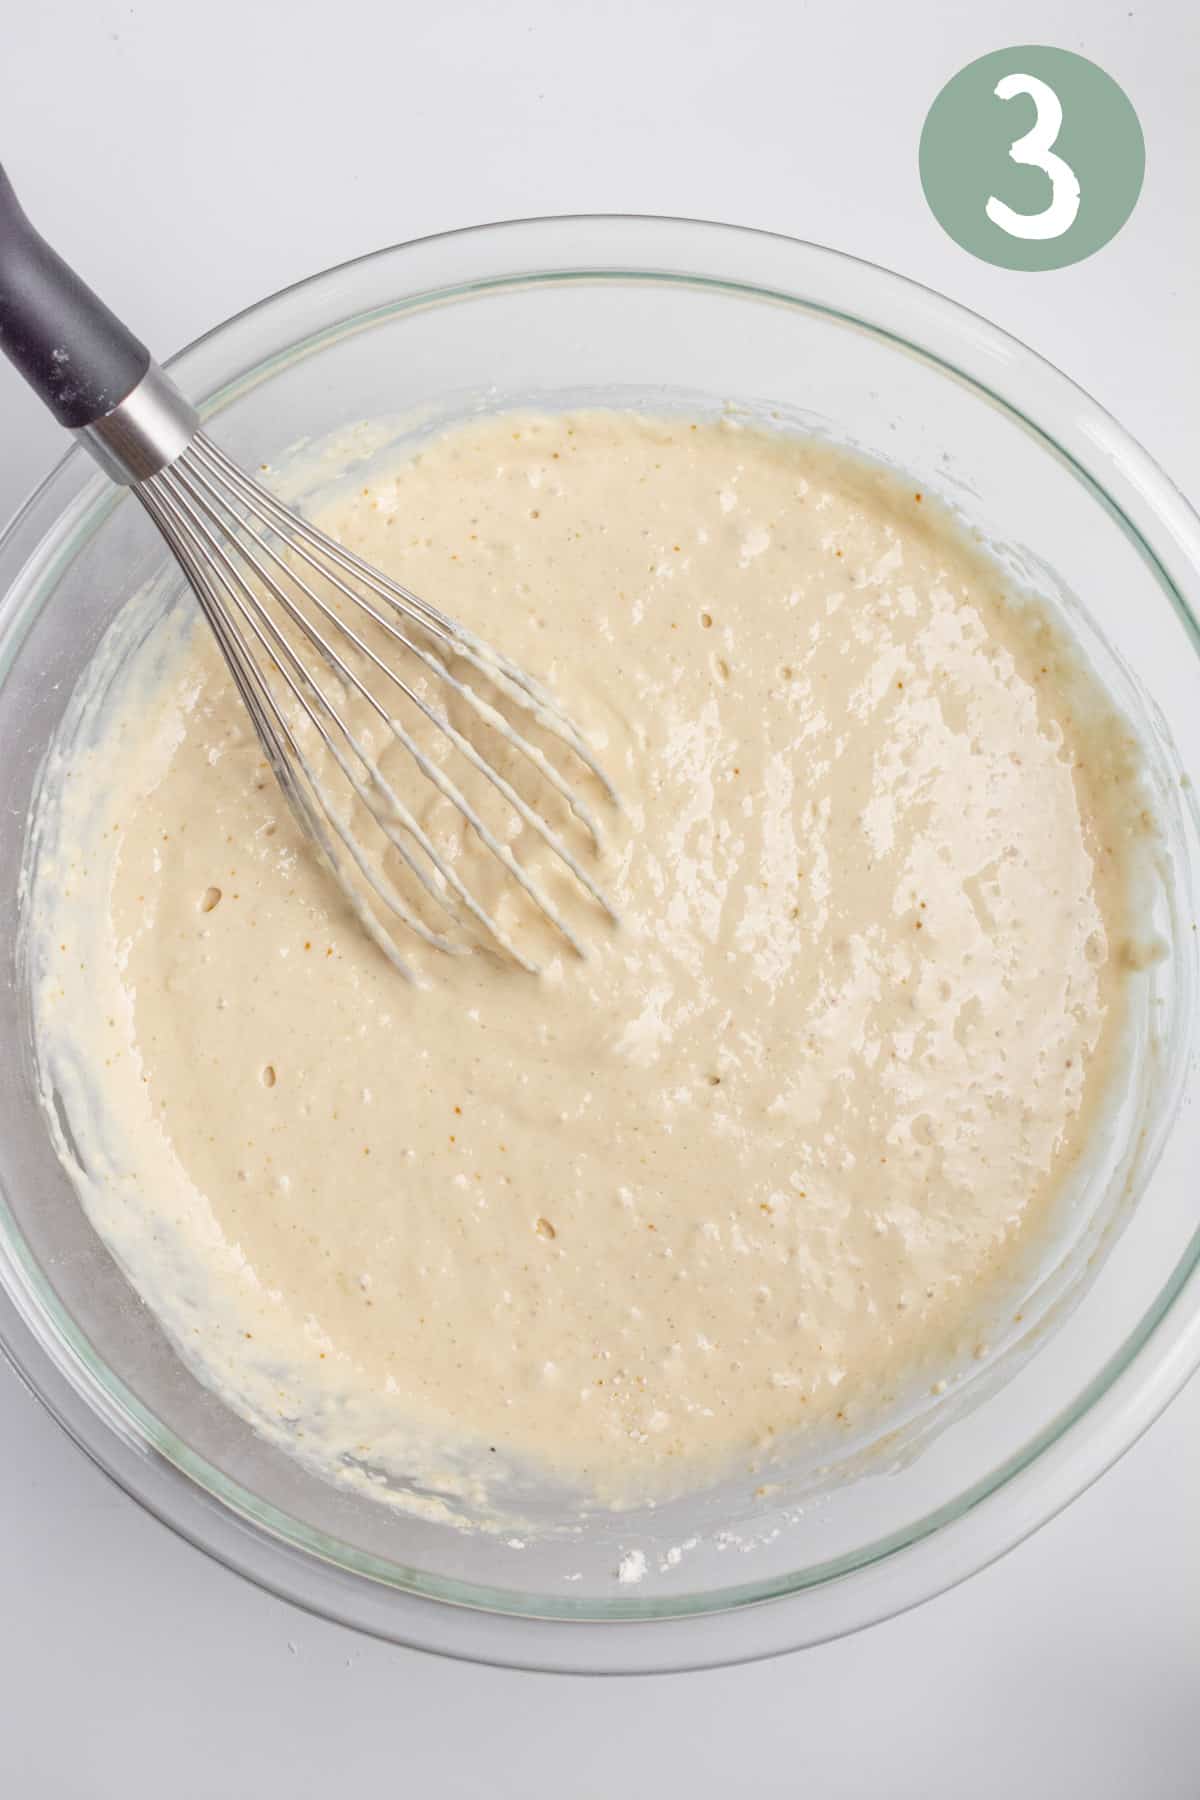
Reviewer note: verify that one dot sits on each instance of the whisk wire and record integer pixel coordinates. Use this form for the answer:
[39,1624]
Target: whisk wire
[436,717]
[429,769]
[271,724]
[238,546]
[259,621]
[266,510]
[521,686]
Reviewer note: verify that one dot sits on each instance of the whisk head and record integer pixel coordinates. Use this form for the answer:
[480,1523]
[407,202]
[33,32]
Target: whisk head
[328,652]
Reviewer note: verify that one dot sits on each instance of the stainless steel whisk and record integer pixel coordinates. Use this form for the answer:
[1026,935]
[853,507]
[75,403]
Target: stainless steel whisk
[261,574]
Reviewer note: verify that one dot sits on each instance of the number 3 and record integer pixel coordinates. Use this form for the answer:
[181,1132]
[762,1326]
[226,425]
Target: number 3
[1035,150]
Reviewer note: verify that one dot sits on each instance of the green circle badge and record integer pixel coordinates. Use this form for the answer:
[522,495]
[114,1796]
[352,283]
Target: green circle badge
[1032,158]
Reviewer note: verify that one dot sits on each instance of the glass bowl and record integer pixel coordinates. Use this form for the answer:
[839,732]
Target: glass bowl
[660,312]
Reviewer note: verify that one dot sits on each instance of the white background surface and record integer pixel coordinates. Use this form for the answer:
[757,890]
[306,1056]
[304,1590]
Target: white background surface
[191,157]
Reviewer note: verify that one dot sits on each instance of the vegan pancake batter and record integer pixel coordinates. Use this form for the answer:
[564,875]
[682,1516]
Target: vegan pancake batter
[777,1149]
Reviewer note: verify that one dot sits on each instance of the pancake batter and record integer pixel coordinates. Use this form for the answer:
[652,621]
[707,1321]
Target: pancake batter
[767,1160]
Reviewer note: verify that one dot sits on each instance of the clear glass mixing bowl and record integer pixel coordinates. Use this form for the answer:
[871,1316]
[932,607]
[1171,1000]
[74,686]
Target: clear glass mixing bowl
[560,310]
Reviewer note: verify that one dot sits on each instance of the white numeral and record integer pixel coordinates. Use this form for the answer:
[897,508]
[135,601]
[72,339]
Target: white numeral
[1036,151]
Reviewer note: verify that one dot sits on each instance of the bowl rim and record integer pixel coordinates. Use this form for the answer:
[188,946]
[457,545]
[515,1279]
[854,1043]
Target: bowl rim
[733,1624]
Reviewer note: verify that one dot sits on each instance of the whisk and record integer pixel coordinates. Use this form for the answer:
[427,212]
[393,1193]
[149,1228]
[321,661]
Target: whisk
[263,576]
